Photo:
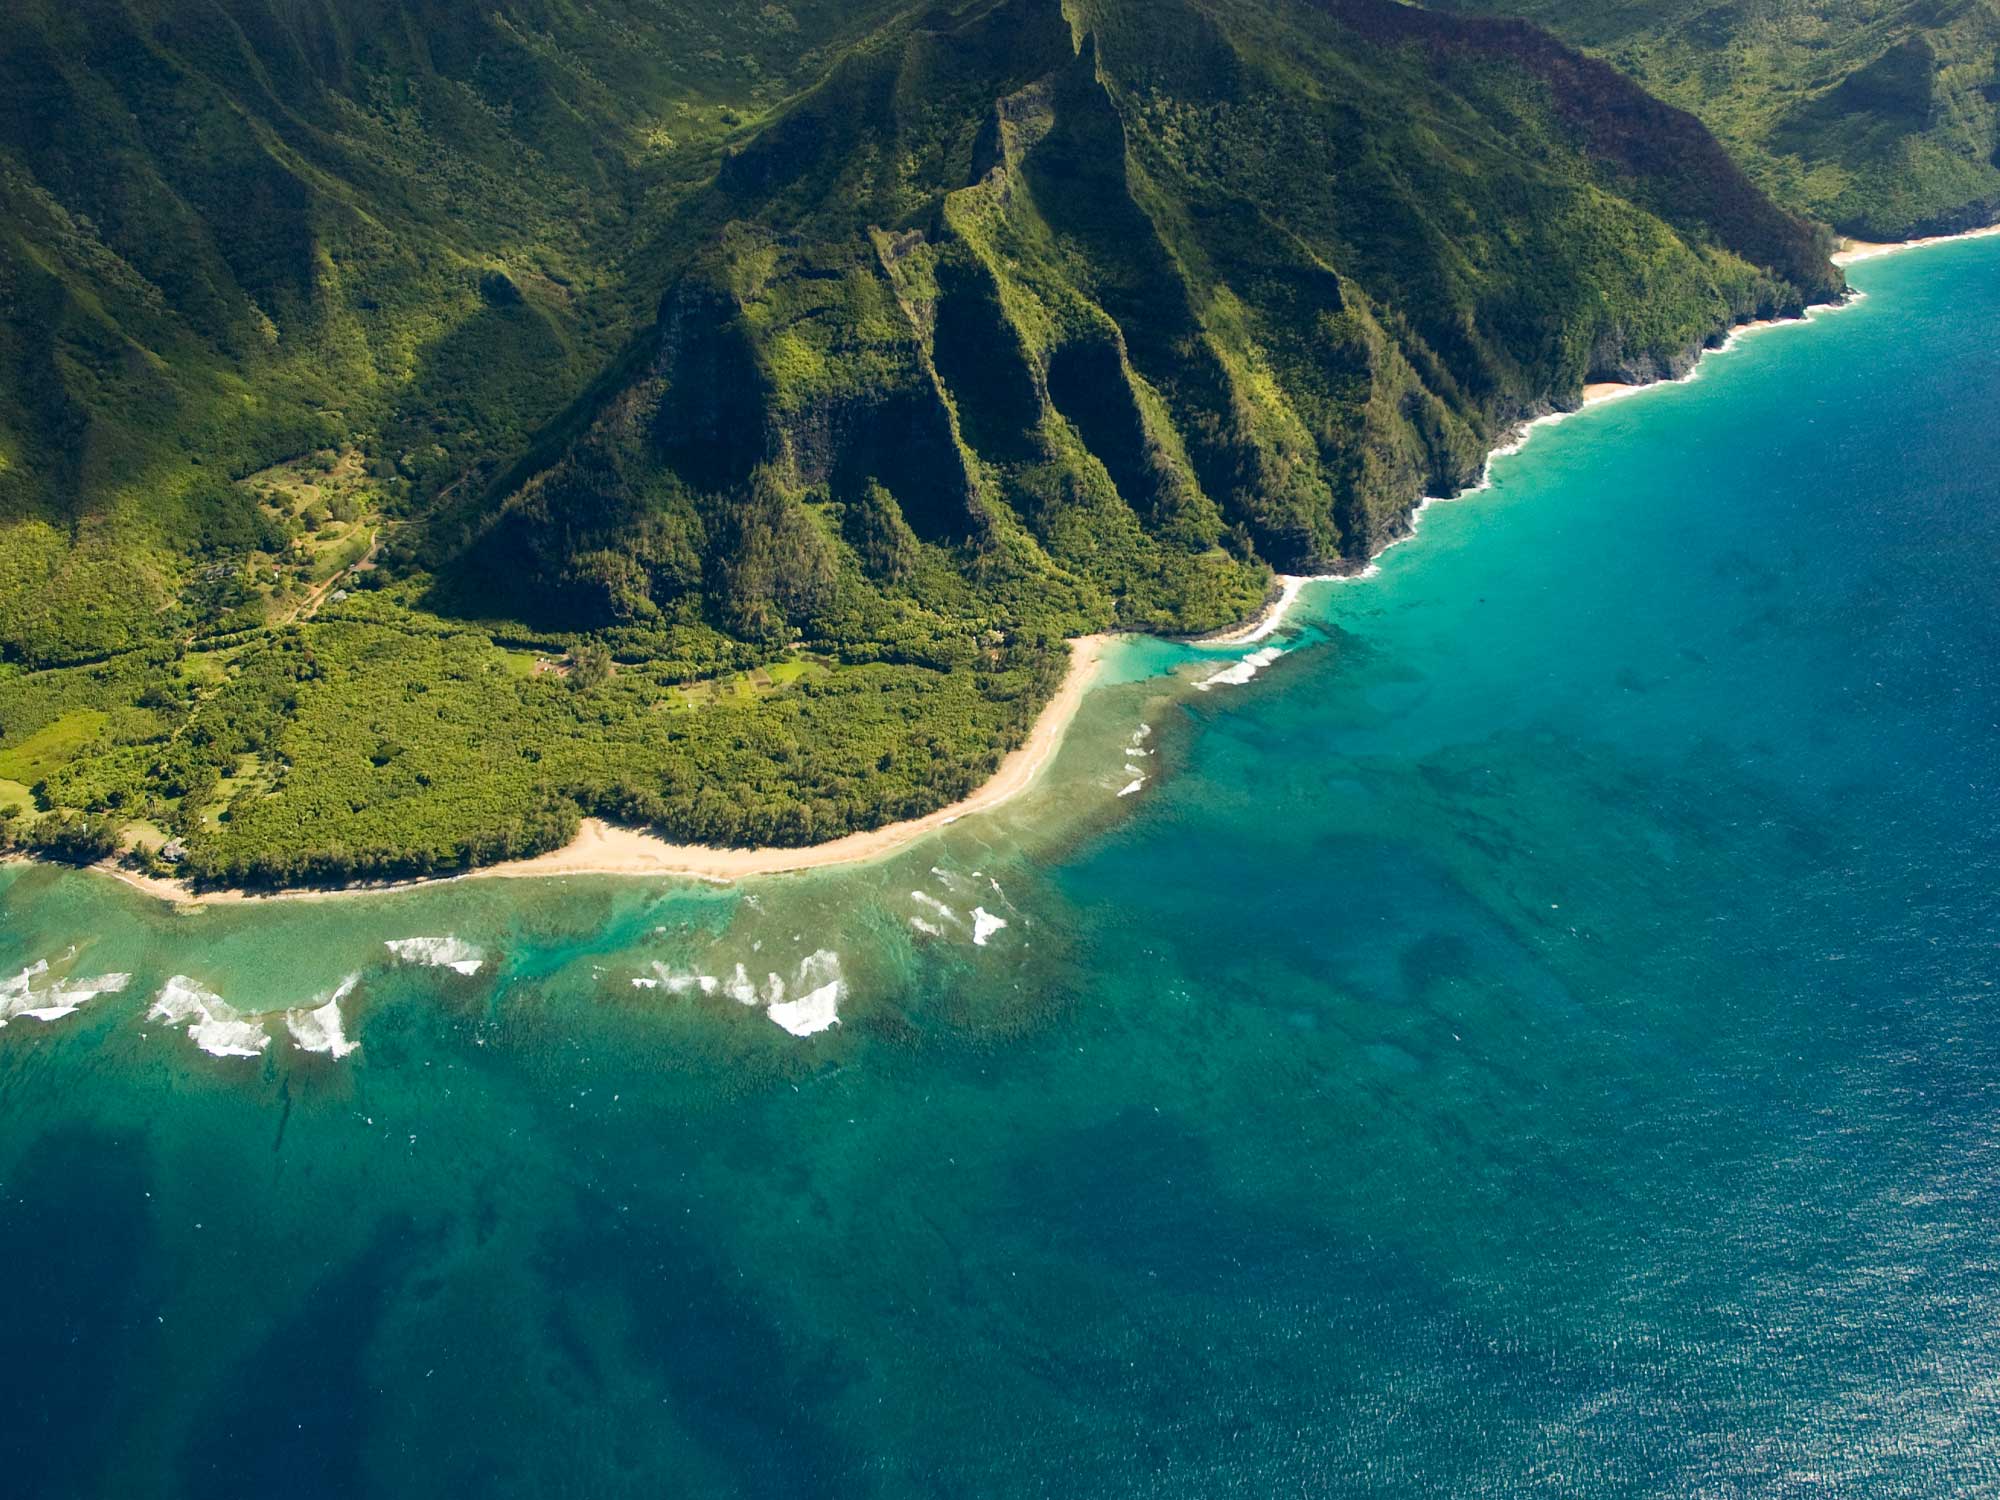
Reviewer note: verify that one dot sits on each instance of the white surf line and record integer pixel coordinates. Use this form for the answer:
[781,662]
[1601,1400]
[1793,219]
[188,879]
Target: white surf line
[216,1026]
[1524,431]
[318,1028]
[1240,672]
[56,999]
[438,953]
[1859,250]
[1267,620]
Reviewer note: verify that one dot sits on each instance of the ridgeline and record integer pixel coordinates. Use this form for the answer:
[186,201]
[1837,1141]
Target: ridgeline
[423,428]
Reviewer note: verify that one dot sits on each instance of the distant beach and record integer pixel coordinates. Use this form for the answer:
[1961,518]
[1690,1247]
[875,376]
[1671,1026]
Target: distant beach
[1852,250]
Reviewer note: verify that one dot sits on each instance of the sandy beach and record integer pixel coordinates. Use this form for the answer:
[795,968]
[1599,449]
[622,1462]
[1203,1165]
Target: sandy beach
[602,848]
[1608,390]
[1269,616]
[1852,250]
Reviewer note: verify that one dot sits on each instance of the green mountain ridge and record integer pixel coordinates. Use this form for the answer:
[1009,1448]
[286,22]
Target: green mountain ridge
[740,428]
[1118,354]
[1878,116]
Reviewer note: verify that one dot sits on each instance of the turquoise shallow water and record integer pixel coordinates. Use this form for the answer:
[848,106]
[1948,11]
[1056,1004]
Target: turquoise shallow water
[1537,1037]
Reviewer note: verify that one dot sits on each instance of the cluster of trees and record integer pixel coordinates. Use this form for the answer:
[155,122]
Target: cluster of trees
[74,838]
[383,746]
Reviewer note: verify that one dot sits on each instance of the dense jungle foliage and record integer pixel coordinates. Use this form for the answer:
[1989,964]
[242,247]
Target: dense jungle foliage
[1881,117]
[424,425]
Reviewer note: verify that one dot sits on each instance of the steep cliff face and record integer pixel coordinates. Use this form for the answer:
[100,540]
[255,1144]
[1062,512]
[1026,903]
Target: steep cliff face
[726,410]
[232,231]
[1110,307]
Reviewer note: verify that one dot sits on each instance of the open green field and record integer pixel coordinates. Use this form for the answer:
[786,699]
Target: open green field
[52,746]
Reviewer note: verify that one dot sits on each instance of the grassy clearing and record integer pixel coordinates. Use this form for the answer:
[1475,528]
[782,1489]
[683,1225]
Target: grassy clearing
[53,746]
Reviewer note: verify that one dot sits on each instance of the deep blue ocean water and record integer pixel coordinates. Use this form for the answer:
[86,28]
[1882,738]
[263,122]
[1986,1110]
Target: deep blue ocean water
[1537,1037]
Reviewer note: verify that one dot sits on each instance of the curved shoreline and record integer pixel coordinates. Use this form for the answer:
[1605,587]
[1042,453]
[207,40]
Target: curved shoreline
[1852,250]
[1270,614]
[602,848]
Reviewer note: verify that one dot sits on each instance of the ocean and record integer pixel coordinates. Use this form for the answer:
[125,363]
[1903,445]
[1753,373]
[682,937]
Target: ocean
[1531,1032]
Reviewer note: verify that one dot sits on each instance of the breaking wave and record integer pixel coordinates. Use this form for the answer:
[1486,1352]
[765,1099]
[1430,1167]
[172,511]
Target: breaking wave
[1240,672]
[318,1028]
[216,1026]
[438,953]
[21,999]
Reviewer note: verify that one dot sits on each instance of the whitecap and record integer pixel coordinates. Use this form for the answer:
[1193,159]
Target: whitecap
[1131,786]
[819,967]
[1238,673]
[216,1026]
[740,987]
[926,899]
[819,1007]
[813,1011]
[318,1028]
[985,924]
[929,929]
[438,953]
[20,999]
[14,992]
[676,984]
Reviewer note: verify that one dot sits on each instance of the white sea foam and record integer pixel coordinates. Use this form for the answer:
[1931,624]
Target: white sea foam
[817,982]
[15,993]
[216,1026]
[1240,672]
[677,984]
[318,1028]
[928,929]
[1271,618]
[1131,786]
[20,999]
[985,924]
[819,967]
[813,1011]
[1732,339]
[818,1007]
[931,903]
[438,953]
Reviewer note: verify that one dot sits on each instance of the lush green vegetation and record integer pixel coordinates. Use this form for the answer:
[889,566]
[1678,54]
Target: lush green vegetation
[1877,116]
[425,426]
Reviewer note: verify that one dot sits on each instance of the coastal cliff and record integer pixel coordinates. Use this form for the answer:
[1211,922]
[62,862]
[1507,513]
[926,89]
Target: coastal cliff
[758,508]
